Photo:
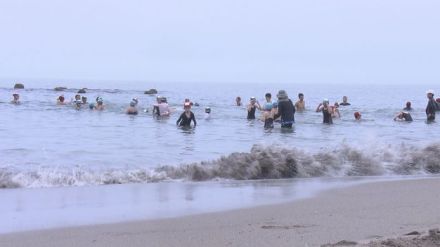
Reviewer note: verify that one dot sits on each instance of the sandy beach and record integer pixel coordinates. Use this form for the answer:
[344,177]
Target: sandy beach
[360,213]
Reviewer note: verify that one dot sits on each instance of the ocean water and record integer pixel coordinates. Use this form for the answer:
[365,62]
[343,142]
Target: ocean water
[45,145]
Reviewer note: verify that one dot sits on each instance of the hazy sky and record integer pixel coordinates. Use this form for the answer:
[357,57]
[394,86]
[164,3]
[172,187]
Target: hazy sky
[394,41]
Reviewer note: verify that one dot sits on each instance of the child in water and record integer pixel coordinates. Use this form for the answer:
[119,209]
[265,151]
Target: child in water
[268,116]
[186,117]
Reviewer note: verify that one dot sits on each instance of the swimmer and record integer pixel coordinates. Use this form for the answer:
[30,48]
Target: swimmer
[275,111]
[268,116]
[15,99]
[84,100]
[252,107]
[268,97]
[77,97]
[207,113]
[345,101]
[286,110]
[188,101]
[136,101]
[408,106]
[335,111]
[186,117]
[431,107]
[77,104]
[132,110]
[403,116]
[61,100]
[357,116]
[238,101]
[162,109]
[99,104]
[300,105]
[326,111]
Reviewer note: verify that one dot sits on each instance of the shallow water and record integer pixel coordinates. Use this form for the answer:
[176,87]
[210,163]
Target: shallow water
[44,145]
[45,208]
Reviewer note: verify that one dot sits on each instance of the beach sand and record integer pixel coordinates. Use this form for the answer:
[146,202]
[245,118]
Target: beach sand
[361,213]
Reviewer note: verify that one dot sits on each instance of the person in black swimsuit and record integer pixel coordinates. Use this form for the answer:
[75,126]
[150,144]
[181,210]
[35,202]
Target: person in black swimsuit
[252,107]
[431,107]
[326,111]
[186,117]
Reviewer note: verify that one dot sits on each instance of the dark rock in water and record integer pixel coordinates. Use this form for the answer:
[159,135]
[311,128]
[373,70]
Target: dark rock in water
[18,86]
[60,88]
[82,90]
[151,91]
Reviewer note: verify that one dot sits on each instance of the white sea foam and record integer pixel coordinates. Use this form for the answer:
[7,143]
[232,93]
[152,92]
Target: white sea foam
[273,162]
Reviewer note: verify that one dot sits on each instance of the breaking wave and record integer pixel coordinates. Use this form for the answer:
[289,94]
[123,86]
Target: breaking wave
[260,163]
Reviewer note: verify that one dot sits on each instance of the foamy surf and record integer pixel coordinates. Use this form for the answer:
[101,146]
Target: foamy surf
[261,162]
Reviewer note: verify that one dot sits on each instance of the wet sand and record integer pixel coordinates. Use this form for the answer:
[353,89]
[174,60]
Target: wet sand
[360,213]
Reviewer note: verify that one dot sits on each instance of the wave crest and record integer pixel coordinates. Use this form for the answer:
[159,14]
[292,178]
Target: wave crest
[261,162]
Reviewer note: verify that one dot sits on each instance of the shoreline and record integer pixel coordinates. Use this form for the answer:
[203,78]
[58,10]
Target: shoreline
[361,212]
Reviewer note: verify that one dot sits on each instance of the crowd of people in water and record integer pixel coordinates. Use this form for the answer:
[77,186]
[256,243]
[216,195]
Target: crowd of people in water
[280,111]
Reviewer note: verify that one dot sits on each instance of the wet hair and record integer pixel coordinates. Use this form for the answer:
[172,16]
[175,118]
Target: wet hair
[268,95]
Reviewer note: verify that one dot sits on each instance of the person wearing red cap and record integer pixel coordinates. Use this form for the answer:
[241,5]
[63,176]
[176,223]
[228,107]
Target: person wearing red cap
[186,117]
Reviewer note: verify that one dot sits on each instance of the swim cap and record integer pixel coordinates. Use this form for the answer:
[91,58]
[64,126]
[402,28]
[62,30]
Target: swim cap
[357,114]
[135,100]
[325,101]
[91,106]
[430,91]
[133,103]
[163,99]
[208,110]
[99,100]
[253,98]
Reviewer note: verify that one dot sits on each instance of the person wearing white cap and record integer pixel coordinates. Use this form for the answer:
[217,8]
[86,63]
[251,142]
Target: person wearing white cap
[431,107]
[326,111]
[252,107]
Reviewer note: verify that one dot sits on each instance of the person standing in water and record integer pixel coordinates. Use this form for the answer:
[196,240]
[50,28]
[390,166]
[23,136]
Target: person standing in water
[186,117]
[15,99]
[132,109]
[300,105]
[345,101]
[326,111]
[100,104]
[207,113]
[431,107]
[408,106]
[61,100]
[238,101]
[252,108]
[268,116]
[335,111]
[286,110]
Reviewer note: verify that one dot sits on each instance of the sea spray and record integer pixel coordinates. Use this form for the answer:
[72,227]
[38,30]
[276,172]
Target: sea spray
[262,162]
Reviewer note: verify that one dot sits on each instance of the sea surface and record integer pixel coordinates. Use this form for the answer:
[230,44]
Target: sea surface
[45,145]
